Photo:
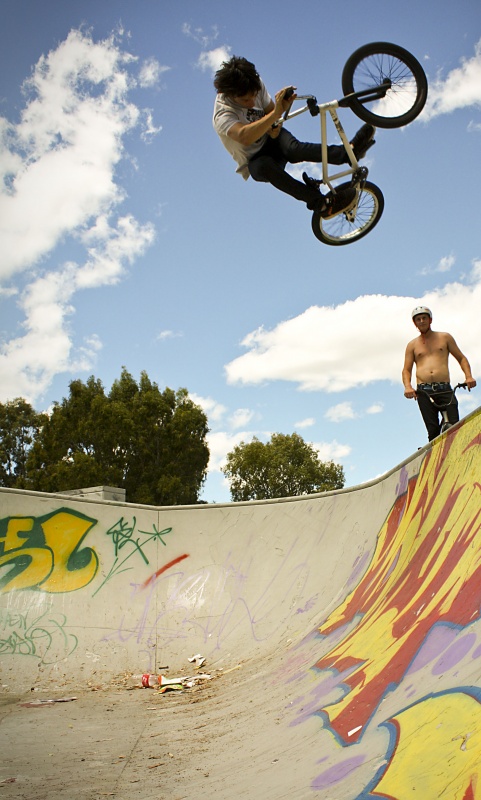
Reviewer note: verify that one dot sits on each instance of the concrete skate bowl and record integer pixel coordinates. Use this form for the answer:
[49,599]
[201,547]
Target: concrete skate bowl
[342,631]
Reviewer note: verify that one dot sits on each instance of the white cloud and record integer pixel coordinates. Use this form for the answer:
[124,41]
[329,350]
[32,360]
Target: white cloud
[331,451]
[358,342]
[443,265]
[474,127]
[221,443]
[460,89]
[376,408]
[467,401]
[168,335]
[58,180]
[8,292]
[211,60]
[340,412]
[150,73]
[199,35]
[305,423]
[240,418]
[214,410]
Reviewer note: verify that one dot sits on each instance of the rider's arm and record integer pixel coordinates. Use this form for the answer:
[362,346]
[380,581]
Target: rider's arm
[252,131]
[462,361]
[408,371]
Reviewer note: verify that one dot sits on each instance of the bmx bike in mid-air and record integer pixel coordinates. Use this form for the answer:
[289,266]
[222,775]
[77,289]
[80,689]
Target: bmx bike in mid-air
[385,86]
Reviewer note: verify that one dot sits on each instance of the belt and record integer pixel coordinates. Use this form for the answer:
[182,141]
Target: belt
[435,387]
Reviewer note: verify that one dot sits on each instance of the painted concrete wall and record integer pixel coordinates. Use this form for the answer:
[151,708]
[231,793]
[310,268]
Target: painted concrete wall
[100,588]
[373,593]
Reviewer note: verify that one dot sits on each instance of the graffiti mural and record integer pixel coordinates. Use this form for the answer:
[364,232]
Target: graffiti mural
[46,552]
[417,601]
[366,604]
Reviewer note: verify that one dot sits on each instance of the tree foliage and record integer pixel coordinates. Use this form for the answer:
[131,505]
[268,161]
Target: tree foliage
[150,442]
[19,425]
[285,466]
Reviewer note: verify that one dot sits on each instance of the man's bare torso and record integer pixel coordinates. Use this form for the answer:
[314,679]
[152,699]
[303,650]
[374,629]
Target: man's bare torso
[431,354]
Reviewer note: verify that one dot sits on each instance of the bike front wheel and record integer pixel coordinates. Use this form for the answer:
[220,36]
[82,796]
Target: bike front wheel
[350,226]
[369,67]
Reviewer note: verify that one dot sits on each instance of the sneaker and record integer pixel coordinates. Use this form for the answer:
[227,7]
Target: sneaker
[335,203]
[313,183]
[363,140]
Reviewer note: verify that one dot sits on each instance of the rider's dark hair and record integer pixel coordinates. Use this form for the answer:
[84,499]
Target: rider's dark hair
[237,77]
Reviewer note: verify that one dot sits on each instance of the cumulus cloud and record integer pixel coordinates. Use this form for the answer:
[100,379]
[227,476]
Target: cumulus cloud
[240,418]
[305,423]
[167,334]
[335,348]
[220,443]
[150,72]
[376,408]
[214,410]
[344,411]
[445,264]
[331,451]
[29,362]
[340,412]
[460,89]
[211,60]
[58,180]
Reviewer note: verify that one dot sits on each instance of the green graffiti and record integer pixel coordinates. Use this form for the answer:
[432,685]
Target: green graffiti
[43,637]
[45,552]
[122,535]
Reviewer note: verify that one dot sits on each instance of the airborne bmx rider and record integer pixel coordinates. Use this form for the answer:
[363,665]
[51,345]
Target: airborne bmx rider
[246,119]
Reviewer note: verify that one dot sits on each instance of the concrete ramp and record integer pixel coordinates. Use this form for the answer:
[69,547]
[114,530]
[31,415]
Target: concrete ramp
[341,632]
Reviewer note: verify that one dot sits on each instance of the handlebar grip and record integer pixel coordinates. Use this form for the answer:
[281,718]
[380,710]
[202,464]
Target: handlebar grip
[288,93]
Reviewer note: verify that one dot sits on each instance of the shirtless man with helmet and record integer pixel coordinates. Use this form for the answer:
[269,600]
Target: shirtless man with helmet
[430,353]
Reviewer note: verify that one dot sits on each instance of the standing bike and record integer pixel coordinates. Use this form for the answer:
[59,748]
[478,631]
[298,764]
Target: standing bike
[385,86]
[442,401]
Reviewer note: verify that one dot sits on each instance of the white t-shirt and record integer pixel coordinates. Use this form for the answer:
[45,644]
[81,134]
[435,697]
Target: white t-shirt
[227,113]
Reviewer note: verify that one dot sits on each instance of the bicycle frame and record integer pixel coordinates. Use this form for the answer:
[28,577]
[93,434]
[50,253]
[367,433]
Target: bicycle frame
[323,109]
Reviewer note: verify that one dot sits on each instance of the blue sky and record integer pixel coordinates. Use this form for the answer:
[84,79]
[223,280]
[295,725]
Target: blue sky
[126,238]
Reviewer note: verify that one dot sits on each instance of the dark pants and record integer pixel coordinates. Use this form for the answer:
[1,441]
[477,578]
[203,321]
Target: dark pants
[442,393]
[268,165]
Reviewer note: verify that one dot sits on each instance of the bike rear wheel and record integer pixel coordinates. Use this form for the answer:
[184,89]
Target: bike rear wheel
[372,64]
[349,227]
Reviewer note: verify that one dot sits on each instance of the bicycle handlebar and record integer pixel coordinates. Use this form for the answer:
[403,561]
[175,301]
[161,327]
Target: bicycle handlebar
[450,392]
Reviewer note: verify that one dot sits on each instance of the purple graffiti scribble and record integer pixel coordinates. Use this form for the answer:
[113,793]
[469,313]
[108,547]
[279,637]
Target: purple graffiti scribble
[476,653]
[337,773]
[310,604]
[454,654]
[438,640]
[320,695]
[359,567]
[402,485]
[228,604]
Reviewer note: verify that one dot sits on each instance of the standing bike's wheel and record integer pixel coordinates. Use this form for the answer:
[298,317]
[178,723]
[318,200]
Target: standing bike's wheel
[370,66]
[349,226]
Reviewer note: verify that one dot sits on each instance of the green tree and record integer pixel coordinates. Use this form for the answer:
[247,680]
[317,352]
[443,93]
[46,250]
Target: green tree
[19,425]
[77,446]
[285,466]
[149,442]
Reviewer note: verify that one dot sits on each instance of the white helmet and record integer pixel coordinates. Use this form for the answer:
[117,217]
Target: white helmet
[421,310]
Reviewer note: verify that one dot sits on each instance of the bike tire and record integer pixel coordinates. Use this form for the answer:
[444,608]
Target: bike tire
[341,230]
[369,66]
